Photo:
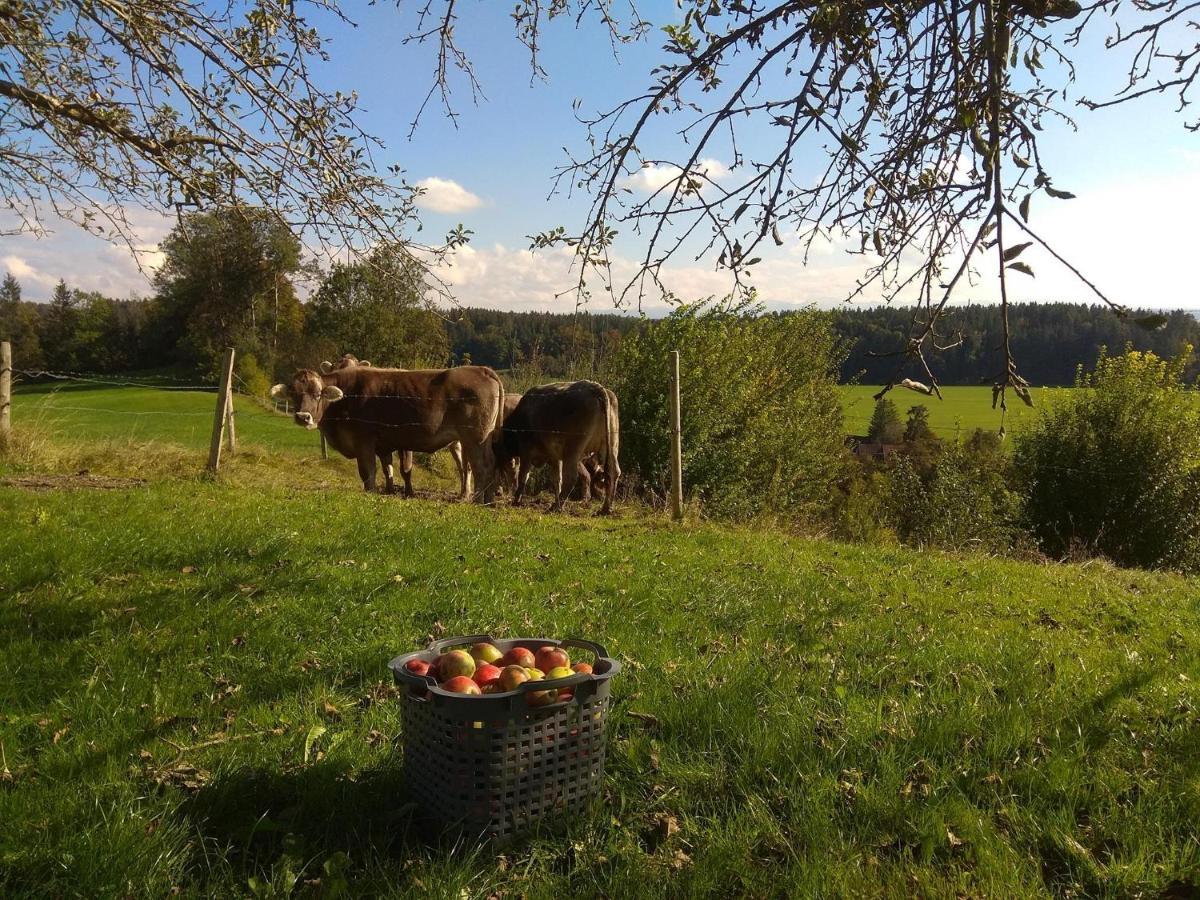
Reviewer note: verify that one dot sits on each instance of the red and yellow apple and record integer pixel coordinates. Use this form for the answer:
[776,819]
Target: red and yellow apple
[461,684]
[559,672]
[417,667]
[511,677]
[456,663]
[585,668]
[517,656]
[485,652]
[486,674]
[549,657]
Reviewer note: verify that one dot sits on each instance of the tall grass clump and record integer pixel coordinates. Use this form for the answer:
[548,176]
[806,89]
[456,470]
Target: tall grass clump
[1113,469]
[762,422]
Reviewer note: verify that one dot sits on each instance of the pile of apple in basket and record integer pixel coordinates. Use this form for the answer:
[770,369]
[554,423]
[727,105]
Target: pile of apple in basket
[486,669]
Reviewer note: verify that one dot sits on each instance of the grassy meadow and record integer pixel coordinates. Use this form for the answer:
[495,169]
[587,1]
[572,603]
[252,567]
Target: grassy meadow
[960,411]
[194,697]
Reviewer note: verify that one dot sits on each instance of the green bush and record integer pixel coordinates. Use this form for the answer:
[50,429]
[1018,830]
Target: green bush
[254,381]
[1113,467]
[957,498]
[762,423]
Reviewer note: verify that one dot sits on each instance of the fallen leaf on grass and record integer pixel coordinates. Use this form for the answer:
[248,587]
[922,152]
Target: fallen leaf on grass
[188,570]
[60,734]
[954,840]
[331,711]
[375,738]
[645,718]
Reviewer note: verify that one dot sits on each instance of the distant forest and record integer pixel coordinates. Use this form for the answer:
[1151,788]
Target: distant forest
[1049,341]
[181,328]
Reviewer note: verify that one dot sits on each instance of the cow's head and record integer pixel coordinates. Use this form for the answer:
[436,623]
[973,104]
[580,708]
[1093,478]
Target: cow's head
[309,394]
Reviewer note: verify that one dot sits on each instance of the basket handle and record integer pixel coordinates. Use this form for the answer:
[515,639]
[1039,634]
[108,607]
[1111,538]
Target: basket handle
[553,684]
[441,645]
[591,646]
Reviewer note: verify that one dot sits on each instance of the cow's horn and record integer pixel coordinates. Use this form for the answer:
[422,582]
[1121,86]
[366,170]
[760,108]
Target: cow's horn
[326,366]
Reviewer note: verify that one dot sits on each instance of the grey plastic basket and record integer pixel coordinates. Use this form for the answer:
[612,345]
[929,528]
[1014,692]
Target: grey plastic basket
[494,764]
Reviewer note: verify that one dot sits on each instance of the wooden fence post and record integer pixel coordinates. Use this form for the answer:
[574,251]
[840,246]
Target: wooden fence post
[222,416]
[5,392]
[324,449]
[676,443]
[230,427]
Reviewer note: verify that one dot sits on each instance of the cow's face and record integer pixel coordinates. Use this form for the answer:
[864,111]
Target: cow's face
[310,395]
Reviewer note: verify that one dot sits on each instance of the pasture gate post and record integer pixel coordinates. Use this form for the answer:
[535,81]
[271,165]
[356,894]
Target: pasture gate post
[230,428]
[222,416]
[5,392]
[676,443]
[324,449]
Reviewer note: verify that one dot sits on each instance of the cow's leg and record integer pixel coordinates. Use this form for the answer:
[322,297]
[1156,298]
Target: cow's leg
[464,471]
[585,479]
[482,463]
[522,480]
[389,473]
[366,465]
[406,467]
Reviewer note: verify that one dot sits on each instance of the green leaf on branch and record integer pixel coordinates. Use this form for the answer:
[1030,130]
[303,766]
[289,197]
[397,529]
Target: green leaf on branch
[1025,207]
[1022,267]
[1016,250]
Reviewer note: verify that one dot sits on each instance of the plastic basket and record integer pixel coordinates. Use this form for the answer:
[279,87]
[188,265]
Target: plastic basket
[494,764]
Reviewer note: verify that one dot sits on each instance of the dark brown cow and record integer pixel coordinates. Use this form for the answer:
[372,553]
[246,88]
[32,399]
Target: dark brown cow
[563,424]
[349,361]
[366,412]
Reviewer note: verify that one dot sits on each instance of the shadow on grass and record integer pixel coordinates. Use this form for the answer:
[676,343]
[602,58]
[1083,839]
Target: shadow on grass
[252,816]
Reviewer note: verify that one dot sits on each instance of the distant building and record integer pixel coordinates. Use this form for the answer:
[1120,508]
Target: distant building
[867,450]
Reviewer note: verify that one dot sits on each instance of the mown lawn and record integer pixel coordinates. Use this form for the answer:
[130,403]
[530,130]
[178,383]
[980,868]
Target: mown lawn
[813,718]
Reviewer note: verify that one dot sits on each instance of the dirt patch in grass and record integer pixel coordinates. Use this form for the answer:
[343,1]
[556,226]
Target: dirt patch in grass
[84,480]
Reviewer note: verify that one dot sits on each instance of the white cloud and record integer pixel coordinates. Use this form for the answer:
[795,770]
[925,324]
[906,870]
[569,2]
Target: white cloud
[24,272]
[445,196]
[653,176]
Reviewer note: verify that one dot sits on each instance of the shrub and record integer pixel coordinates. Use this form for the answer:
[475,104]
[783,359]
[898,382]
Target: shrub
[1113,467]
[762,423]
[254,381]
[956,498]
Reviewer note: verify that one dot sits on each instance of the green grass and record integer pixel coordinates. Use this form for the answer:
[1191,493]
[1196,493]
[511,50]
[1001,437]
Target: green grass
[148,415]
[961,410]
[816,718]
[826,719]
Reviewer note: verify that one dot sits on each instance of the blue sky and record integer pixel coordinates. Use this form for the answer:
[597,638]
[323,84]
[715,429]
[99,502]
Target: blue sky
[1135,169]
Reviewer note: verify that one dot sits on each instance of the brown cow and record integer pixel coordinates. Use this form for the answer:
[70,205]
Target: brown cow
[349,361]
[365,412]
[563,424]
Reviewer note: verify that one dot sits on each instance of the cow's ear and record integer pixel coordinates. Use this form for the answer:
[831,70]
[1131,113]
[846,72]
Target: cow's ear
[278,392]
[331,392]
[326,366]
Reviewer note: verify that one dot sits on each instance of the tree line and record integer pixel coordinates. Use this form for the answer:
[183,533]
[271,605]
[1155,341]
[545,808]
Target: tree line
[1050,340]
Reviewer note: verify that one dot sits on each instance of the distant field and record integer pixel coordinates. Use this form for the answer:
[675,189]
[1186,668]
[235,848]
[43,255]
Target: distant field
[143,414]
[963,408]
[184,418]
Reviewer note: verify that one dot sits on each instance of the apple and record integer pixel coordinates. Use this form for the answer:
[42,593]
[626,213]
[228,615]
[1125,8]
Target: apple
[485,652]
[585,668]
[434,671]
[492,687]
[486,674]
[540,698]
[461,684]
[417,667]
[511,676]
[549,657]
[559,672]
[518,656]
[535,674]
[456,663]
[566,694]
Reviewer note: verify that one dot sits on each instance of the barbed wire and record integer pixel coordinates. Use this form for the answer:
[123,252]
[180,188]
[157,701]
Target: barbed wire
[110,381]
